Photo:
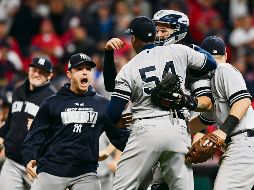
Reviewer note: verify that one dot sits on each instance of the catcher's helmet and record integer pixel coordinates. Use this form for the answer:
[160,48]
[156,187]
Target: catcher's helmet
[178,20]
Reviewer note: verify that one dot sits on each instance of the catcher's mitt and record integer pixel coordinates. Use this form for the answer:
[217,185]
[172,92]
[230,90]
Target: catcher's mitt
[199,153]
[169,95]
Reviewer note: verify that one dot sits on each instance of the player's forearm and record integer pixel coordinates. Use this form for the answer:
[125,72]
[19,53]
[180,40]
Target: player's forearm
[195,125]
[109,70]
[236,113]
[117,156]
[204,104]
[240,107]
[110,148]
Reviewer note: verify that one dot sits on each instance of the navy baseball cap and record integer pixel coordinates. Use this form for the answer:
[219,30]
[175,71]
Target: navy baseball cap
[214,45]
[143,28]
[79,58]
[42,63]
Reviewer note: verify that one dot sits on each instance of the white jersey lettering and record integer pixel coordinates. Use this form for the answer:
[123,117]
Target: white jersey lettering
[17,106]
[31,108]
[79,117]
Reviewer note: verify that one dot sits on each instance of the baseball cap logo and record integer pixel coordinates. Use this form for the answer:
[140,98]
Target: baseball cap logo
[41,61]
[82,56]
[214,51]
[149,34]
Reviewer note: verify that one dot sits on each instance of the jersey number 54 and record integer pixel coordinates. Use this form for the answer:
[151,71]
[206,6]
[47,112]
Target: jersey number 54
[169,66]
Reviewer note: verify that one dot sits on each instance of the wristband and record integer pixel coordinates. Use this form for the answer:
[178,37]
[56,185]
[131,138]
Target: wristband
[230,123]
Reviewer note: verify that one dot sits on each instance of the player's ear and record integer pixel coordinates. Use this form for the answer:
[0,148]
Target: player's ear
[133,39]
[50,76]
[226,56]
[69,74]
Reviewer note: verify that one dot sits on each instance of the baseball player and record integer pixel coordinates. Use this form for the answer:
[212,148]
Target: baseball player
[171,27]
[64,138]
[234,117]
[26,101]
[156,135]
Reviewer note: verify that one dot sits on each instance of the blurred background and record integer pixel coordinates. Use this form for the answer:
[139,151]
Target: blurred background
[56,29]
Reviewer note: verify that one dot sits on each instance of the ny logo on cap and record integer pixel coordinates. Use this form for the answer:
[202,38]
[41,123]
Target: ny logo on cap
[83,56]
[41,61]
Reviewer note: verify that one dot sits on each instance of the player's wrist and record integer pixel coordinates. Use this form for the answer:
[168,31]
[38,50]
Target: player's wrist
[230,123]
[190,102]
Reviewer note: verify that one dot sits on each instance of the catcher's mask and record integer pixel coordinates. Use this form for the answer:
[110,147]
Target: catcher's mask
[177,20]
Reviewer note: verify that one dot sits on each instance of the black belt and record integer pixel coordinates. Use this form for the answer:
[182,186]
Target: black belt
[179,115]
[250,133]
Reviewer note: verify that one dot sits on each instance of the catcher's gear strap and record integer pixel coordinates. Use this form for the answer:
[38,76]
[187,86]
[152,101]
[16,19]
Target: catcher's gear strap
[230,123]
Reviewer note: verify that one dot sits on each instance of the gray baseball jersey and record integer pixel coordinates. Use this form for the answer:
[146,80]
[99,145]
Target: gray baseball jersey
[200,87]
[228,86]
[137,78]
[156,134]
[237,163]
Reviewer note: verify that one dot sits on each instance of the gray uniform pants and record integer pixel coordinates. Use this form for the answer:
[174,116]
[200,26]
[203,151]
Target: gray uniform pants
[237,167]
[152,140]
[106,182]
[13,176]
[46,181]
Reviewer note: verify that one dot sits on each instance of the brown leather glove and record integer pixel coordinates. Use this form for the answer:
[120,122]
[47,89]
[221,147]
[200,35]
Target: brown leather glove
[204,149]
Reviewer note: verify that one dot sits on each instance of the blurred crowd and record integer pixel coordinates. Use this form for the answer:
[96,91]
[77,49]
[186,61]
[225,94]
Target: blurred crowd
[57,29]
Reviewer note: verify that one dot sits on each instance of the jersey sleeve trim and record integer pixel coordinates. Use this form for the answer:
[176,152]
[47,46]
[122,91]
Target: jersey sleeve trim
[121,94]
[202,91]
[205,120]
[238,96]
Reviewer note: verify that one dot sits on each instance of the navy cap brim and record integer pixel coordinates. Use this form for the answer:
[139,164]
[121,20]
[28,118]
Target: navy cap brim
[41,67]
[89,63]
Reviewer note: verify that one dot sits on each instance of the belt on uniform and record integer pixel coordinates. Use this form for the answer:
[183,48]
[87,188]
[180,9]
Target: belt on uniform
[179,115]
[250,133]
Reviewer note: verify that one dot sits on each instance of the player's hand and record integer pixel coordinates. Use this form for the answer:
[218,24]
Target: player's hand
[125,121]
[103,155]
[219,133]
[197,136]
[29,123]
[112,165]
[30,169]
[114,43]
[2,151]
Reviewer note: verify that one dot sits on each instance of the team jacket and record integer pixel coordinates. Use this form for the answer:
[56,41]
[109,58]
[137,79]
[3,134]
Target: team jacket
[25,104]
[64,138]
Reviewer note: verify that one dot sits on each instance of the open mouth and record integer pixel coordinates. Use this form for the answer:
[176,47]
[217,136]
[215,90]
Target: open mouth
[84,81]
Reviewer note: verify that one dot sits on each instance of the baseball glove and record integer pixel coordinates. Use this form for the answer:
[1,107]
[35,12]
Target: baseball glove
[169,95]
[201,152]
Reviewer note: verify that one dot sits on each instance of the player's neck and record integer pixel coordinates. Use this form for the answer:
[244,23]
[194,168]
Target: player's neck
[220,61]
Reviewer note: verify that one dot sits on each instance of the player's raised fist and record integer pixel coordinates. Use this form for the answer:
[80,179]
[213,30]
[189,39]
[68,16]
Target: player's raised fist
[114,43]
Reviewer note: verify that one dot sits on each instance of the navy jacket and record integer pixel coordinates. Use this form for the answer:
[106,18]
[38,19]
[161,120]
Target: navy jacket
[25,104]
[64,138]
